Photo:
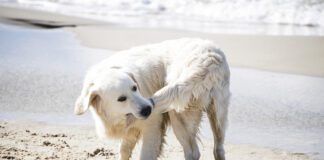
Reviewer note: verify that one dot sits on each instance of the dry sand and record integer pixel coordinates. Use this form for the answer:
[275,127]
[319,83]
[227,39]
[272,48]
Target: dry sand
[31,140]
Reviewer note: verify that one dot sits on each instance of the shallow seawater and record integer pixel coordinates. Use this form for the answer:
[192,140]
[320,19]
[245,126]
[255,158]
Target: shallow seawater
[41,74]
[41,71]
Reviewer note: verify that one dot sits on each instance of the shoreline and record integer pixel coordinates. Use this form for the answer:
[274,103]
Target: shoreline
[287,54]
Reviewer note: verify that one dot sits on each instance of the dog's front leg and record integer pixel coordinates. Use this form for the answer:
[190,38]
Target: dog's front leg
[152,139]
[128,144]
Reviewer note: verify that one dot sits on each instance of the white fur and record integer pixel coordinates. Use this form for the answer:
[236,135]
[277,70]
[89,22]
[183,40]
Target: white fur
[184,77]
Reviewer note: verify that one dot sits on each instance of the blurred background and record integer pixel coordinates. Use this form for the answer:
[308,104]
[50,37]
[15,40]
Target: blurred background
[275,49]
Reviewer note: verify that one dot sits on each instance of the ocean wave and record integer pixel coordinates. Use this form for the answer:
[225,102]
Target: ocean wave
[192,14]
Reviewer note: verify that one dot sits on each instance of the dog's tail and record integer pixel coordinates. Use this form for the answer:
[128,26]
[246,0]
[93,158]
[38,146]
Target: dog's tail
[204,73]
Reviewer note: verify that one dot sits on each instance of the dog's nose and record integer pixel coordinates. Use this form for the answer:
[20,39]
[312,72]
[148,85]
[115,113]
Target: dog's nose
[146,111]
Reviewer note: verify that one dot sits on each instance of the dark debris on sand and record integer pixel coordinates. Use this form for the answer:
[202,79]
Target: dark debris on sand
[8,157]
[47,143]
[101,152]
[9,153]
[54,135]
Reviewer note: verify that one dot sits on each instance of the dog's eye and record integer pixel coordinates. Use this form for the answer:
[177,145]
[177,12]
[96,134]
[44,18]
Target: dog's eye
[122,98]
[134,88]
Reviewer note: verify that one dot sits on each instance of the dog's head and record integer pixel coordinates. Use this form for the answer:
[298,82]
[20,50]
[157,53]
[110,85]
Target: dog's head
[113,93]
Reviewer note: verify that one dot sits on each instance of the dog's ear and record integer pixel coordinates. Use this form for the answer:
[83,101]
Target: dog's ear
[133,78]
[85,100]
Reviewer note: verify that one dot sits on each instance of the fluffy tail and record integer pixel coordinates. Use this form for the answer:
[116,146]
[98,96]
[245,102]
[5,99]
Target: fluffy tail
[203,73]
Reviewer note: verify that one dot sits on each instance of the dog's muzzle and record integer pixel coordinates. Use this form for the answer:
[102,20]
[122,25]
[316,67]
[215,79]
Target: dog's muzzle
[146,111]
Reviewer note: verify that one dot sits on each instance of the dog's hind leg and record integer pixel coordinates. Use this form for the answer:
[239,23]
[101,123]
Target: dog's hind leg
[217,115]
[185,126]
[128,144]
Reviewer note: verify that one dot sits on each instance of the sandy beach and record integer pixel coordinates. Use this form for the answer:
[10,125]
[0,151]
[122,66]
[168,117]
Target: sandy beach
[26,140]
[41,74]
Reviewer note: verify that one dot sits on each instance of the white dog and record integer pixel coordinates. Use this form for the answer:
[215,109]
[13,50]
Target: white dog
[179,78]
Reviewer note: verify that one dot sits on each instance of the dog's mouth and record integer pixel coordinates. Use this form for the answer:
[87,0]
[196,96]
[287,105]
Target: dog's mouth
[135,116]
[130,119]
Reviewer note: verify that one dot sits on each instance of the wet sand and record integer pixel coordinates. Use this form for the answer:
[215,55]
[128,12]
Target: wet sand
[21,16]
[288,54]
